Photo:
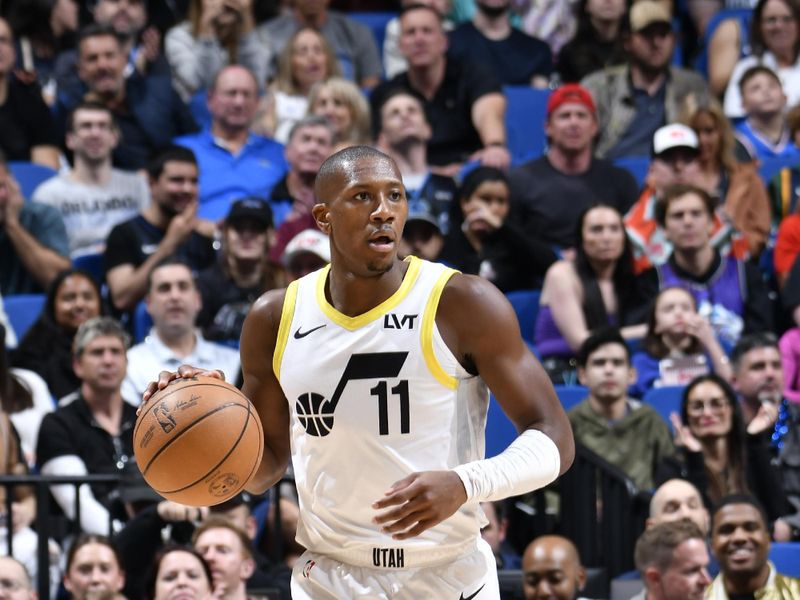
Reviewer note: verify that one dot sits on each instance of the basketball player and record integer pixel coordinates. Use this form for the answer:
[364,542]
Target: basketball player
[372,373]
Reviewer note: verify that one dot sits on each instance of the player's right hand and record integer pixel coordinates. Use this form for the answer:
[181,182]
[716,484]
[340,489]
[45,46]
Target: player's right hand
[183,372]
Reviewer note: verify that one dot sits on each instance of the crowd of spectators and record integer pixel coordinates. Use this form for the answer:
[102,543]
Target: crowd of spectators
[184,138]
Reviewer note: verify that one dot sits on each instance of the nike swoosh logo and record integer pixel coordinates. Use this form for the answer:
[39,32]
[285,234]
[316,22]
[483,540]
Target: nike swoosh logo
[299,335]
[470,597]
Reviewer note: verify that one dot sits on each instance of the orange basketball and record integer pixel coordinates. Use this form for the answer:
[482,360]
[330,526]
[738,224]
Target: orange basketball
[198,442]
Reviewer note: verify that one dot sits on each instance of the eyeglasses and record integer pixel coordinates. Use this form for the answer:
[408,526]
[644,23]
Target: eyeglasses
[697,407]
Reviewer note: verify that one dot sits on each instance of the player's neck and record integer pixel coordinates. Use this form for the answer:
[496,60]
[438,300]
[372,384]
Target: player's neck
[353,294]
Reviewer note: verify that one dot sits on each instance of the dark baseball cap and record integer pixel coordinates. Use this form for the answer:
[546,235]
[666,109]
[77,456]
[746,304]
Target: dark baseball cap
[250,208]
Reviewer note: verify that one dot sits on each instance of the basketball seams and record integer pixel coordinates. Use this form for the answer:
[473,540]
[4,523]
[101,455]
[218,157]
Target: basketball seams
[188,427]
[222,461]
[167,392]
[210,425]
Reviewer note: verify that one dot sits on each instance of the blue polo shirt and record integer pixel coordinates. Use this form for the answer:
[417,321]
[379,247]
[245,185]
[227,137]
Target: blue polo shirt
[225,177]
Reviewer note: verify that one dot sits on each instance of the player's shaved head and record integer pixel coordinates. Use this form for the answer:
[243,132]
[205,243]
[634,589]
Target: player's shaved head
[343,163]
[552,568]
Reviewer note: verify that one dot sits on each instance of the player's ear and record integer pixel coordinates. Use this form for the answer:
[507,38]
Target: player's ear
[322,217]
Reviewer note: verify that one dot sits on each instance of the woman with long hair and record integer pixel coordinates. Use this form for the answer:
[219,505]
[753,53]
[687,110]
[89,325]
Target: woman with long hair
[774,43]
[42,29]
[596,289]
[728,174]
[483,241]
[598,41]
[717,453]
[346,109]
[306,60]
[72,298]
[214,35]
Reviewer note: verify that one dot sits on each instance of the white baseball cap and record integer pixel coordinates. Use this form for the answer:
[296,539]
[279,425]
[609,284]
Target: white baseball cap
[308,240]
[674,136]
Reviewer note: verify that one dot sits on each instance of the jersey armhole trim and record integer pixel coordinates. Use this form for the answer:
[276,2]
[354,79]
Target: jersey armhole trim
[287,314]
[428,322]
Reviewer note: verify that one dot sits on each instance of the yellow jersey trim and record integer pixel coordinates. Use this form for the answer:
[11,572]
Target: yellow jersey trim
[287,314]
[428,321]
[353,323]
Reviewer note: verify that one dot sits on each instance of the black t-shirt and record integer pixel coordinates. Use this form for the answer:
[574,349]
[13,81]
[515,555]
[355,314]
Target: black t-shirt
[72,431]
[509,259]
[225,305]
[132,241]
[514,60]
[25,121]
[449,113]
[584,55]
[549,202]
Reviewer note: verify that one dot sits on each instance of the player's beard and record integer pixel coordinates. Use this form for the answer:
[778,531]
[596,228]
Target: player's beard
[373,267]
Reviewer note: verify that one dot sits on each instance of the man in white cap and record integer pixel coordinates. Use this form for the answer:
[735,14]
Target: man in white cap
[308,251]
[635,99]
[674,151]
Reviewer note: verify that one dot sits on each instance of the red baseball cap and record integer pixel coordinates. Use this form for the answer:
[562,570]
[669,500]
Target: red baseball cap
[570,92]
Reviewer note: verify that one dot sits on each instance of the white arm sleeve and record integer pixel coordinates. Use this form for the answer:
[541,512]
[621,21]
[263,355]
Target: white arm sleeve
[94,516]
[530,462]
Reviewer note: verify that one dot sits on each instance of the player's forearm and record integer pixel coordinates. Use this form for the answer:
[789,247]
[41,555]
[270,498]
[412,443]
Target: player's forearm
[270,472]
[531,461]
[41,262]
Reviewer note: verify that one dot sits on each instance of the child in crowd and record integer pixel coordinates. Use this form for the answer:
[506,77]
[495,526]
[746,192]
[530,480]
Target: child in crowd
[764,132]
[678,345]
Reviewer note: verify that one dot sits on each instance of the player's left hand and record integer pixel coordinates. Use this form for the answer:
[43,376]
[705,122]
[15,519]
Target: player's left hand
[421,501]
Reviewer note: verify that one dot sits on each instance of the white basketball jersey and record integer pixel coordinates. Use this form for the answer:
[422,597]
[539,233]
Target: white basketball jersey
[372,399]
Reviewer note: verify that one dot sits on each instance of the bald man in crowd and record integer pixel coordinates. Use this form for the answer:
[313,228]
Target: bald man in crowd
[552,568]
[678,499]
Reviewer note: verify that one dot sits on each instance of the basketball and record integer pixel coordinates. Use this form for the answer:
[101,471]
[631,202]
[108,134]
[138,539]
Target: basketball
[198,441]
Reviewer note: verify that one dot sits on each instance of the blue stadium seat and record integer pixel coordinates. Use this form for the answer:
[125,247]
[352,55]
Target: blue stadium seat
[500,432]
[22,311]
[29,175]
[636,166]
[741,14]
[142,322]
[570,395]
[376,22]
[92,264]
[526,305]
[525,116]
[665,400]
[786,557]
